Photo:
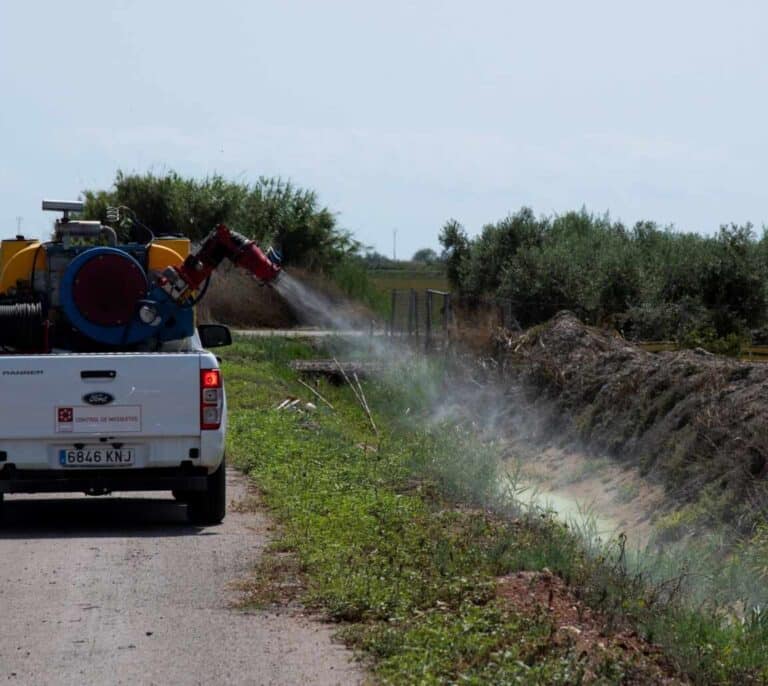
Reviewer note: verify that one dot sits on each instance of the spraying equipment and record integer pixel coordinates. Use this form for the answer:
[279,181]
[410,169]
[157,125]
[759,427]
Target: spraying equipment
[86,291]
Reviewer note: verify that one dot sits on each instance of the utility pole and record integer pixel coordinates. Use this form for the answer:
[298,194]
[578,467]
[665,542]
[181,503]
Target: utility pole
[394,245]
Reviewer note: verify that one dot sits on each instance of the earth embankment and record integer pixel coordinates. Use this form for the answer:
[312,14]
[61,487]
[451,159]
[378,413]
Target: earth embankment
[696,422]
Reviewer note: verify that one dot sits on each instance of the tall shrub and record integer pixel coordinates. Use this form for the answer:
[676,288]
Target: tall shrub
[269,210]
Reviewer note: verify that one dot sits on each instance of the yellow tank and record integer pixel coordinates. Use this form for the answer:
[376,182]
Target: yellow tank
[161,256]
[17,259]
[167,252]
[10,246]
[179,245]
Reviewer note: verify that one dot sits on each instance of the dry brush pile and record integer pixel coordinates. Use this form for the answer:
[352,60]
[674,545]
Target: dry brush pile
[694,421]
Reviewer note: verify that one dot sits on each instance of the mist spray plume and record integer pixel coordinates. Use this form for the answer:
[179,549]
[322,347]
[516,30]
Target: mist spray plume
[482,415]
[311,307]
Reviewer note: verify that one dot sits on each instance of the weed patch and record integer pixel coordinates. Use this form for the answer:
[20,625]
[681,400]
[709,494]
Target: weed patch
[374,528]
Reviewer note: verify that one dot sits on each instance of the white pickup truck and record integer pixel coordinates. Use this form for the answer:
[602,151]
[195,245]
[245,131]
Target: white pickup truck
[104,422]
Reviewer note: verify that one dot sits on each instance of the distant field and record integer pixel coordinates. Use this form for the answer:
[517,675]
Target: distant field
[386,280]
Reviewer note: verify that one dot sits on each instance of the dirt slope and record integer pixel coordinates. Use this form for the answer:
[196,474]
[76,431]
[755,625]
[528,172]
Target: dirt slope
[696,422]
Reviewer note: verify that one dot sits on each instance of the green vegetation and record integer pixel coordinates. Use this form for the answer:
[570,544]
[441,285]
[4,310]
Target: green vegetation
[392,541]
[425,256]
[409,277]
[356,282]
[425,270]
[652,283]
[271,211]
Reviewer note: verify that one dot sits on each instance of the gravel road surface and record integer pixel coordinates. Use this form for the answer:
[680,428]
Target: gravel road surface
[121,590]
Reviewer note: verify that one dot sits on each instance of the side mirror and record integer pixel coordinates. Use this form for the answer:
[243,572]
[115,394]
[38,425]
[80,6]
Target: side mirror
[214,335]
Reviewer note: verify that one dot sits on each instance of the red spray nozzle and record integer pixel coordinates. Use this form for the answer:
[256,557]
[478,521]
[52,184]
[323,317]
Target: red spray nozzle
[221,243]
[258,264]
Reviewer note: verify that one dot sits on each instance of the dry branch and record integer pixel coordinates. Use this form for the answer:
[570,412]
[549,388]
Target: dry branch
[359,396]
[317,393]
[365,404]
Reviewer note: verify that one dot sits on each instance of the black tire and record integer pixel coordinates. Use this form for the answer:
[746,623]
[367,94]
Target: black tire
[208,507]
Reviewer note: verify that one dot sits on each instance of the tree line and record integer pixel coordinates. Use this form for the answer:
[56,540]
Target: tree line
[270,211]
[648,281]
[651,282]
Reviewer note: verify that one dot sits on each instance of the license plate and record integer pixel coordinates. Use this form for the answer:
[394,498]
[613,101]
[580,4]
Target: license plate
[97,457]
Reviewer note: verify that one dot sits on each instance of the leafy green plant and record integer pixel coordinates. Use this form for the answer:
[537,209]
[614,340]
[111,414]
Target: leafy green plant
[654,283]
[706,337]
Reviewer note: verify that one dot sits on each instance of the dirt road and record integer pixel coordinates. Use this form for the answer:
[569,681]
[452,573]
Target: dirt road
[123,591]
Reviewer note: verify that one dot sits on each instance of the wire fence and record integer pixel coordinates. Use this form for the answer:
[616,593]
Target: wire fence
[422,315]
[432,317]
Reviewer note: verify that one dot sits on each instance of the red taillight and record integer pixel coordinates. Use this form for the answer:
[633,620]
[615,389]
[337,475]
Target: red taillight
[210,378]
[211,399]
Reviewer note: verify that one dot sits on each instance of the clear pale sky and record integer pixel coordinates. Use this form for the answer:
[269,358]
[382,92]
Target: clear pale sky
[399,114]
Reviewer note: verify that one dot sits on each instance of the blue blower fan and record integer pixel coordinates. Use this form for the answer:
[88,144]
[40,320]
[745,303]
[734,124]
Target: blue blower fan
[105,293]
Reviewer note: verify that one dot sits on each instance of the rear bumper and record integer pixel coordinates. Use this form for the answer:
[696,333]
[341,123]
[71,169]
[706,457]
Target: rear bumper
[151,452]
[184,478]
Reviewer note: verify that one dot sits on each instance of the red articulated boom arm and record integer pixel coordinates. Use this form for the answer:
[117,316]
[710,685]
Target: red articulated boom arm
[181,282]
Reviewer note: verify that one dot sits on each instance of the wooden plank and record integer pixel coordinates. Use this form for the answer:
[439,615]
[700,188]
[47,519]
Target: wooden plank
[330,368]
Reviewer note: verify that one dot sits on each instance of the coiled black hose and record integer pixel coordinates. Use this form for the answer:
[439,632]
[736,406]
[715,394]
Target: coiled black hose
[21,325]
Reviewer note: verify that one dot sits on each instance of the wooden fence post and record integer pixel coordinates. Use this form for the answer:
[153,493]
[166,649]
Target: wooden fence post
[428,321]
[392,313]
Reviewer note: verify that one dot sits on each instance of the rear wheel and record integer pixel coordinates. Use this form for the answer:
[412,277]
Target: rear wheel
[209,506]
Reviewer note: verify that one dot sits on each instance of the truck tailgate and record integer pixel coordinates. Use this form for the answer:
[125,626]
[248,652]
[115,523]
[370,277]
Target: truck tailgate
[82,396]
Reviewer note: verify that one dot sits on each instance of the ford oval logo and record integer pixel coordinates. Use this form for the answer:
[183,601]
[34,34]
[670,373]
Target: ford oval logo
[98,398]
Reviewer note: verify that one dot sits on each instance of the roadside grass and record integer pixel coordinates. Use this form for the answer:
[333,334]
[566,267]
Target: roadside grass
[402,537]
